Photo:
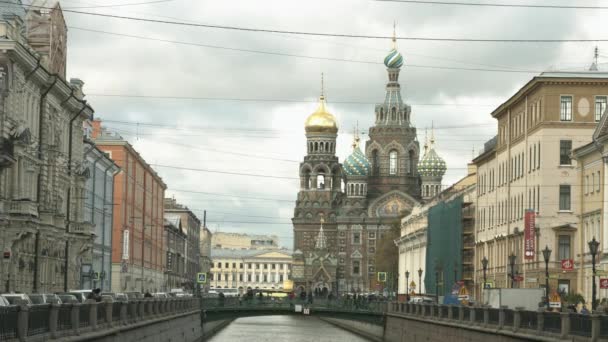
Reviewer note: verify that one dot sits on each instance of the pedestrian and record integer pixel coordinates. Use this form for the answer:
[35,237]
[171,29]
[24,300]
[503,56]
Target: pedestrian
[147,294]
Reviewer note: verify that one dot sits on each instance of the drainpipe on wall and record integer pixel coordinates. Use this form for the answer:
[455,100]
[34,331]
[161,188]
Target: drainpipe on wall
[39,180]
[69,196]
[111,204]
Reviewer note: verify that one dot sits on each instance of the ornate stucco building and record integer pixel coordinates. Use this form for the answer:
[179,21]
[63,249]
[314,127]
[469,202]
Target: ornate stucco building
[44,234]
[364,196]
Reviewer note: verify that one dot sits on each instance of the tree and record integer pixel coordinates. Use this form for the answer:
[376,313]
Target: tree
[387,254]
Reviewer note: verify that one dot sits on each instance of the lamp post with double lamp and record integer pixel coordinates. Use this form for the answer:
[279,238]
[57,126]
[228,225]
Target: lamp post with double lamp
[593,245]
[407,284]
[547,256]
[438,269]
[420,281]
[512,258]
[484,265]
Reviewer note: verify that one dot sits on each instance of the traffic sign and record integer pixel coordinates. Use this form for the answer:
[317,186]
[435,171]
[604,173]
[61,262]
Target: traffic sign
[382,277]
[201,278]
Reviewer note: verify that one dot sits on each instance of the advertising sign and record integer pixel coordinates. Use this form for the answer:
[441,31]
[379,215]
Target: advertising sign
[567,265]
[529,235]
[555,300]
[603,283]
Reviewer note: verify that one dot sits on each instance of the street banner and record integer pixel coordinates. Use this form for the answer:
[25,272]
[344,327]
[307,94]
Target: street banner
[529,235]
[567,265]
[603,283]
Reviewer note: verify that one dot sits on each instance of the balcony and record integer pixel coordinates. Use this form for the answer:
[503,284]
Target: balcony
[26,208]
[7,157]
[81,228]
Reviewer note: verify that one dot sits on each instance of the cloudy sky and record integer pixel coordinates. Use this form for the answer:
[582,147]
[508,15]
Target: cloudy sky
[205,104]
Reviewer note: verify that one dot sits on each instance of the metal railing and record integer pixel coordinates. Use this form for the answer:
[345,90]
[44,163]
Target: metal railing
[46,320]
[38,319]
[564,325]
[8,322]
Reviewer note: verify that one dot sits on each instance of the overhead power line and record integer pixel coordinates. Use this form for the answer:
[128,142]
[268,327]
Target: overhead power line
[303,56]
[118,5]
[320,34]
[486,4]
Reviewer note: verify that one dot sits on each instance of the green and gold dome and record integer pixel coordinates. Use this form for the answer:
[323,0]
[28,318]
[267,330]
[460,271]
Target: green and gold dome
[431,164]
[357,163]
[394,59]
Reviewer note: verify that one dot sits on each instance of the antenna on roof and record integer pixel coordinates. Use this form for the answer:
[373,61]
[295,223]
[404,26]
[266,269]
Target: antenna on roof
[596,54]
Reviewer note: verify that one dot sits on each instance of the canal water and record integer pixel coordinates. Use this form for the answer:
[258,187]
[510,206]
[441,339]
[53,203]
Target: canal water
[283,328]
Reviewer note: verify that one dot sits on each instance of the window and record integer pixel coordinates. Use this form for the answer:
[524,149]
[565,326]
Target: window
[586,185]
[393,162]
[249,266]
[566,108]
[249,277]
[356,238]
[411,162]
[564,247]
[257,278]
[227,265]
[265,266]
[375,164]
[592,182]
[240,276]
[372,235]
[210,276]
[280,278]
[601,103]
[356,267]
[564,197]
[234,265]
[241,265]
[257,266]
[598,182]
[265,278]
[565,147]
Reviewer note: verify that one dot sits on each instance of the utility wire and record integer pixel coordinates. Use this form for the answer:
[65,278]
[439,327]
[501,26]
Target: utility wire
[483,4]
[304,56]
[320,34]
[118,5]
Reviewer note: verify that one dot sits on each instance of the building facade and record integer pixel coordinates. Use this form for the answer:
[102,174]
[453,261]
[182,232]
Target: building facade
[592,161]
[205,250]
[245,269]
[99,210]
[530,168]
[43,232]
[185,219]
[249,241]
[175,260]
[437,239]
[365,195]
[138,253]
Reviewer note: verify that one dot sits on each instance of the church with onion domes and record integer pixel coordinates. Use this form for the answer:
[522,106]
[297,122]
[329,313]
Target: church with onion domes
[342,209]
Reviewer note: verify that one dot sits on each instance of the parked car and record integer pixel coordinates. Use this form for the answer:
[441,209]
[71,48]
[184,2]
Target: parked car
[81,295]
[17,298]
[134,295]
[116,297]
[160,295]
[4,302]
[67,298]
[45,298]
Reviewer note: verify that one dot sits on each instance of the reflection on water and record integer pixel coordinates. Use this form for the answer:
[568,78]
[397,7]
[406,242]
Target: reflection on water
[283,328]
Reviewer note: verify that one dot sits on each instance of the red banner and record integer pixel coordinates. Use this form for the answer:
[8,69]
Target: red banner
[529,235]
[567,264]
[603,283]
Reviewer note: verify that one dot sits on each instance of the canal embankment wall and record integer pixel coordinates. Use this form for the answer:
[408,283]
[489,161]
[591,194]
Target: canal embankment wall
[370,331]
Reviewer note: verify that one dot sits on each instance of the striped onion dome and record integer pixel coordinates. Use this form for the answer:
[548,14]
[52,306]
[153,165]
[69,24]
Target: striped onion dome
[394,59]
[432,165]
[357,163]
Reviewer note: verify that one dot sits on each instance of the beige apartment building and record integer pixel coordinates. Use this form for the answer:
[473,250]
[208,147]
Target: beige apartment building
[530,166]
[592,162]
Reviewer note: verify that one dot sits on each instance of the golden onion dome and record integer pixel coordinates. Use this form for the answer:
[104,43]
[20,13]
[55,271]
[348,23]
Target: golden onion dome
[321,121]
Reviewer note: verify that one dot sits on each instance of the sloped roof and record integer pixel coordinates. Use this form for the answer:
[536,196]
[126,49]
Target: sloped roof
[228,253]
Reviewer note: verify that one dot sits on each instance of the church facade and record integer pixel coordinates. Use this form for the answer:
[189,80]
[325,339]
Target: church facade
[350,205]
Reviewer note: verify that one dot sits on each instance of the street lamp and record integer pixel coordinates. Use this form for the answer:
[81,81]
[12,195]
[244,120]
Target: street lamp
[484,264]
[593,245]
[407,284]
[512,258]
[547,255]
[438,269]
[420,281]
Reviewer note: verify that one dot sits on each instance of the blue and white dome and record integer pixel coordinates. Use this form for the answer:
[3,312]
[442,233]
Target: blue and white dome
[357,163]
[394,59]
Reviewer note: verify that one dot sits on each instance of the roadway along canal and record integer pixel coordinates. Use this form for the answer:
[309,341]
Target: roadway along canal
[283,328]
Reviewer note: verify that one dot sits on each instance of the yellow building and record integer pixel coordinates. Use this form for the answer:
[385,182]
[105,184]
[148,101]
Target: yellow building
[529,166]
[593,168]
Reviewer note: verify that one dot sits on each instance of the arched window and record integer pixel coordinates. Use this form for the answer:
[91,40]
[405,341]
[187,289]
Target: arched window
[357,190]
[375,165]
[426,191]
[306,179]
[411,162]
[394,113]
[316,146]
[321,181]
[321,146]
[393,162]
